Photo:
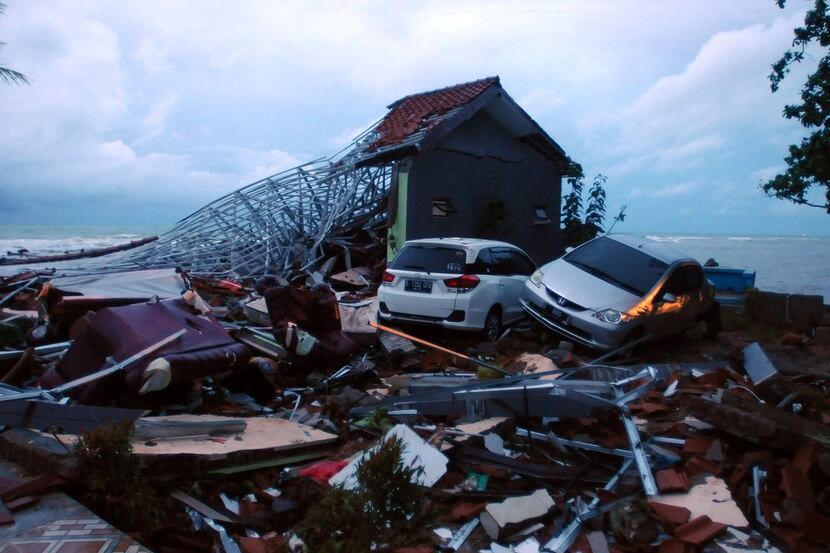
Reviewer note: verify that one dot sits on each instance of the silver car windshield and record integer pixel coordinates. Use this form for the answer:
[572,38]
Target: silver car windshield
[618,264]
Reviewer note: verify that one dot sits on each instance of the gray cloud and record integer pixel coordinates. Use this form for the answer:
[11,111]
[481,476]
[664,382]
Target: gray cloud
[152,108]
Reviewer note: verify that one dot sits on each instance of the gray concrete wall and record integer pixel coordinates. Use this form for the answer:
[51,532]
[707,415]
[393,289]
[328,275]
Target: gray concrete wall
[494,182]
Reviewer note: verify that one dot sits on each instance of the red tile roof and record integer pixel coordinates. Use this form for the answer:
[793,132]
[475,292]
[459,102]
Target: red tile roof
[406,116]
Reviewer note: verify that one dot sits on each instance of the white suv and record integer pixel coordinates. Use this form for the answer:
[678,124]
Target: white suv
[463,283]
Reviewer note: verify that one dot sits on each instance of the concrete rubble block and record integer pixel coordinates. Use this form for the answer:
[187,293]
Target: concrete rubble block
[758,366]
[802,310]
[257,312]
[356,316]
[532,363]
[631,523]
[390,343]
[709,496]
[498,519]
[353,279]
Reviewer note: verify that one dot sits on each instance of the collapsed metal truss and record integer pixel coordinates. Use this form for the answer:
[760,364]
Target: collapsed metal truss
[277,224]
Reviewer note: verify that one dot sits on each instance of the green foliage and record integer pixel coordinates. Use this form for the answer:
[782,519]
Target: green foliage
[575,230]
[572,202]
[117,489]
[595,212]
[9,75]
[808,163]
[385,507]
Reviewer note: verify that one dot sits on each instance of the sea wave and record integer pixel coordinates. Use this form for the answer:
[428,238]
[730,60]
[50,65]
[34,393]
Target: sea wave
[54,246]
[674,239]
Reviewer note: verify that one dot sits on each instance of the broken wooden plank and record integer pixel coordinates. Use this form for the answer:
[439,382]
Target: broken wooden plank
[73,418]
[205,509]
[177,427]
[760,424]
[260,434]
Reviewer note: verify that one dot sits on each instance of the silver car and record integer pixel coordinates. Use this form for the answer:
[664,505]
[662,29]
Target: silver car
[618,288]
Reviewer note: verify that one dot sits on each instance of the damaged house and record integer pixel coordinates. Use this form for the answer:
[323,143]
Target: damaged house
[470,162]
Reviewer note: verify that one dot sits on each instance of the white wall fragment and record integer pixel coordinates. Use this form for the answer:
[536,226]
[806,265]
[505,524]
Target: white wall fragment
[416,454]
[514,510]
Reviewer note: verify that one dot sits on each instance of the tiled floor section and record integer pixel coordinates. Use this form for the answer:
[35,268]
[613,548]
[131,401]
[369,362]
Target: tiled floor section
[87,535]
[59,524]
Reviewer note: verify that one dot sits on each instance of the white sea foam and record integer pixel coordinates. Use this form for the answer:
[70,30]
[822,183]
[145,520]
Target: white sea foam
[674,239]
[53,246]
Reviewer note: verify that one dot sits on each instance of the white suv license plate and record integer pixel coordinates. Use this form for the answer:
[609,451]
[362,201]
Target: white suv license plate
[422,286]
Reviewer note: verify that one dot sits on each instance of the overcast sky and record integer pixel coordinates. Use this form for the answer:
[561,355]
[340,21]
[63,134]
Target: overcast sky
[139,112]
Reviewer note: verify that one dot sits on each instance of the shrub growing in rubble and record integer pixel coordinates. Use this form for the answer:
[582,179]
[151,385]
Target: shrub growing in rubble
[116,487]
[386,507]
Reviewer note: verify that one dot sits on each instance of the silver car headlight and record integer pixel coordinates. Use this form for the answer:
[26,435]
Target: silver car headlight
[536,278]
[612,316]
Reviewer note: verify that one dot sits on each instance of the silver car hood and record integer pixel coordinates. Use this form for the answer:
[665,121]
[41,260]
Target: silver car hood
[574,284]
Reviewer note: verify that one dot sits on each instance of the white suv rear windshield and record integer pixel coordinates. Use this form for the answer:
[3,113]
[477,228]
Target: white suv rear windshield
[431,259]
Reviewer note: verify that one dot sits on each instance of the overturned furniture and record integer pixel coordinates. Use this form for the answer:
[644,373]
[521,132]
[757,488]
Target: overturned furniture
[202,348]
[307,323]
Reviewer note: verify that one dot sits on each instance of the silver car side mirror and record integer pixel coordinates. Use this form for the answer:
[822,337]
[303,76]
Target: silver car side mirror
[668,297]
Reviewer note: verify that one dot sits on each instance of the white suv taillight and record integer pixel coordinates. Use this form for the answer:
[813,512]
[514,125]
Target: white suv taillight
[463,283]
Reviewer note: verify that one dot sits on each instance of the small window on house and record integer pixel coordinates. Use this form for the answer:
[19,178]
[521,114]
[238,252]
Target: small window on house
[540,215]
[441,207]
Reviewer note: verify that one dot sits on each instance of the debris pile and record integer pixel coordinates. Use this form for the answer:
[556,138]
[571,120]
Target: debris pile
[277,416]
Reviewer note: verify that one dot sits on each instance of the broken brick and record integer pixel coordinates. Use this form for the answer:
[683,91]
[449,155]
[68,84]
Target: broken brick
[671,514]
[649,407]
[675,546]
[465,510]
[796,485]
[816,527]
[672,480]
[699,530]
[697,446]
[698,465]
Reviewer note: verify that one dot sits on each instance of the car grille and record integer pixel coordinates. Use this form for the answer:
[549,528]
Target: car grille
[560,322]
[559,301]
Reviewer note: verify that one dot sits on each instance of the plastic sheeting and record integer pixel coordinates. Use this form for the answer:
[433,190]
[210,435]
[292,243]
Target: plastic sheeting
[164,283]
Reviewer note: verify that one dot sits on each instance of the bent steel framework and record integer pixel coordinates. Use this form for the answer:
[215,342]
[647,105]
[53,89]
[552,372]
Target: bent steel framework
[275,225]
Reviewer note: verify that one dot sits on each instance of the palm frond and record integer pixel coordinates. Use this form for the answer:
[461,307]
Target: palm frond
[12,76]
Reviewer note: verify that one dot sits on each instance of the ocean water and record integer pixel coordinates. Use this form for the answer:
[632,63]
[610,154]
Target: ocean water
[789,264]
[58,239]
